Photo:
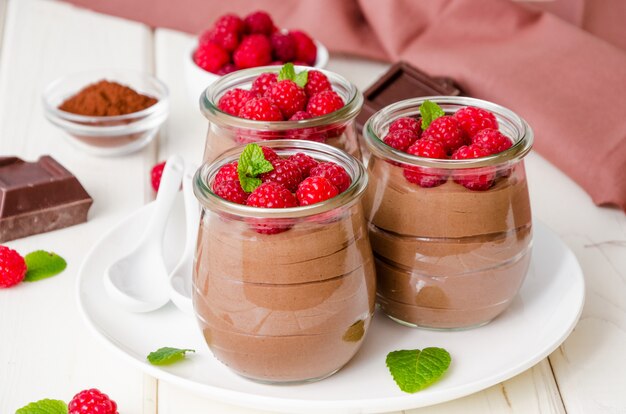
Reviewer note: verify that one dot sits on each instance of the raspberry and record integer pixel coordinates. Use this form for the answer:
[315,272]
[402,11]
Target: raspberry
[491,140]
[304,162]
[92,401]
[270,195]
[306,51]
[210,57]
[315,190]
[155,175]
[254,50]
[263,82]
[424,177]
[226,69]
[285,172]
[400,139]
[287,96]
[231,190]
[411,124]
[12,267]
[335,173]
[259,22]
[283,47]
[476,182]
[233,100]
[324,103]
[316,82]
[226,32]
[447,131]
[472,119]
[300,116]
[269,154]
[228,172]
[260,109]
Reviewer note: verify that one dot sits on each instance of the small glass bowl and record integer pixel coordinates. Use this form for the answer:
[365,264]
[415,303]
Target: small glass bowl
[108,135]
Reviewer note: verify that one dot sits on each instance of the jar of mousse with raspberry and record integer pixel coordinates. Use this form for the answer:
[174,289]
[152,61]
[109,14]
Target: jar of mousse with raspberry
[274,102]
[284,282]
[448,210]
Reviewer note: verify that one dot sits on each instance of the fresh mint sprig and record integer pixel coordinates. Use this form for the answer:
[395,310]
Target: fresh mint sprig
[167,355]
[288,72]
[46,406]
[413,370]
[252,162]
[430,111]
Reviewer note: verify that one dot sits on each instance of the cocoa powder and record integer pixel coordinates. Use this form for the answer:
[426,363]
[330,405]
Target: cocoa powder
[105,98]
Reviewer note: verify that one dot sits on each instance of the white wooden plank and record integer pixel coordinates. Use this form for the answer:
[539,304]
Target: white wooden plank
[45,349]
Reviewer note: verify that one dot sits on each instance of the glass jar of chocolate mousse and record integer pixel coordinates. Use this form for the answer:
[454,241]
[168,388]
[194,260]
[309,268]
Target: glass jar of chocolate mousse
[284,294]
[451,237]
[226,131]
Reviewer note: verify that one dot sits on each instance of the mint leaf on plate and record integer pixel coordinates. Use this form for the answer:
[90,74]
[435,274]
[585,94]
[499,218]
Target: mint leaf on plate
[430,111]
[42,265]
[167,355]
[44,407]
[252,162]
[413,370]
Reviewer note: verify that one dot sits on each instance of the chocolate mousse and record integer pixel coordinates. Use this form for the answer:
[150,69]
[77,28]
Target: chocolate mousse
[285,307]
[447,256]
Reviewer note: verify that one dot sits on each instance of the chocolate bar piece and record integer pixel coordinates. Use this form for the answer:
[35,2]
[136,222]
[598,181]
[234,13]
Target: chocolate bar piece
[37,197]
[402,81]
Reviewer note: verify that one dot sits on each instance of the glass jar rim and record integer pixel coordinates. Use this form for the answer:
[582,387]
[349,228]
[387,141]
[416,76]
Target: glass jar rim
[206,173]
[375,144]
[208,102]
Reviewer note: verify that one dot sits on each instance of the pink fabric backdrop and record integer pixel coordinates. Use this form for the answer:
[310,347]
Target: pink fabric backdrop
[564,71]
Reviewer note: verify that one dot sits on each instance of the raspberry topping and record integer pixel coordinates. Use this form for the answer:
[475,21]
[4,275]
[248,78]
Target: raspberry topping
[233,100]
[411,124]
[400,139]
[254,50]
[447,131]
[317,82]
[476,182]
[424,177]
[304,162]
[92,401]
[261,109]
[269,154]
[315,190]
[285,172]
[155,175]
[335,173]
[226,173]
[491,140]
[271,195]
[288,97]
[472,119]
[263,82]
[324,103]
[12,267]
[284,47]
[259,22]
[231,190]
[428,148]
[306,51]
[210,57]
[300,115]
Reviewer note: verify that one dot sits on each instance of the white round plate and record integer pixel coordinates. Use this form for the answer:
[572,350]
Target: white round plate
[539,320]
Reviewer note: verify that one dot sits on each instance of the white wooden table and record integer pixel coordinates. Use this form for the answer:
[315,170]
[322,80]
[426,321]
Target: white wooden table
[47,352]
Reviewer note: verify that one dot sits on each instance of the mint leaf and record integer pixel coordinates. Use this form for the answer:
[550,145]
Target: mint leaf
[252,162]
[44,407]
[414,370]
[42,265]
[167,355]
[287,72]
[302,78]
[430,111]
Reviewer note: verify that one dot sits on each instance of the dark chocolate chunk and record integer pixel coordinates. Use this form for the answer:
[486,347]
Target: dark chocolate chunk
[402,81]
[37,197]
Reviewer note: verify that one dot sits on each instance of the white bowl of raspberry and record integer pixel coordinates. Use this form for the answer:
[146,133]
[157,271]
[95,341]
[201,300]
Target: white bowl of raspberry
[233,43]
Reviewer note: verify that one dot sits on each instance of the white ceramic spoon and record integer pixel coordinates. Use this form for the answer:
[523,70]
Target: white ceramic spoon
[180,278]
[139,281]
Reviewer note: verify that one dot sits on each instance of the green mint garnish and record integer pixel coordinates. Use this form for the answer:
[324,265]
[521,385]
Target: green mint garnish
[252,162]
[167,355]
[430,111]
[288,72]
[44,407]
[413,370]
[42,265]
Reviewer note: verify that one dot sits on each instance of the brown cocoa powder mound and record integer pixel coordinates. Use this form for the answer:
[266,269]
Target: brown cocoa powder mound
[106,98]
